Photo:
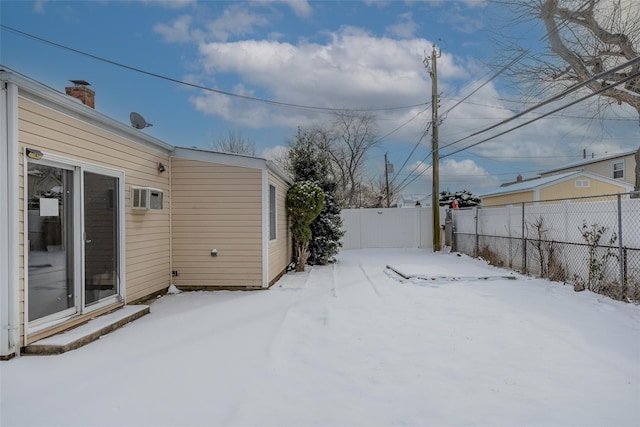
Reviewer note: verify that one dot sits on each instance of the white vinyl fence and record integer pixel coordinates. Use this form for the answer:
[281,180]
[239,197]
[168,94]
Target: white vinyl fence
[387,228]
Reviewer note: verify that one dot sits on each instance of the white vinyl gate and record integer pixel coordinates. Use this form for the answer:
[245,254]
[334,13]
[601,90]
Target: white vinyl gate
[387,228]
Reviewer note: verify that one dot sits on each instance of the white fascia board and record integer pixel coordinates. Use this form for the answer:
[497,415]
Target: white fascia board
[275,169]
[230,159]
[226,159]
[50,98]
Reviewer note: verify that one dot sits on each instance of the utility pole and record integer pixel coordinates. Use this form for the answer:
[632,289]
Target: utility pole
[388,168]
[435,191]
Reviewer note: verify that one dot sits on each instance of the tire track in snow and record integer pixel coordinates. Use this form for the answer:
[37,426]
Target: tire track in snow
[335,280]
[370,280]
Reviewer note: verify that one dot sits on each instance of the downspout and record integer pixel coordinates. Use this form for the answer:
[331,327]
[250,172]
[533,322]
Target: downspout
[4,228]
[170,220]
[13,276]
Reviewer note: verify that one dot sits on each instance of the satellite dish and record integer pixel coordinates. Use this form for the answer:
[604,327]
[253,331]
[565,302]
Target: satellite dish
[137,121]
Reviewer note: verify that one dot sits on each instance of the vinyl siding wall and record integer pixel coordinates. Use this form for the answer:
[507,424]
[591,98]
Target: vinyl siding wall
[280,248]
[568,189]
[525,196]
[146,235]
[604,168]
[216,207]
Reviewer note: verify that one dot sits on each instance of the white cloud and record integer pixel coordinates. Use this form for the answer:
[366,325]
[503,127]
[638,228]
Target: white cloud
[405,28]
[353,69]
[236,20]
[178,31]
[454,175]
[300,7]
[38,6]
[275,153]
[172,4]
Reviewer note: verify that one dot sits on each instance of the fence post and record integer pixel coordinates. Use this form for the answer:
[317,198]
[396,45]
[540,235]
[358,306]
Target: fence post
[524,245]
[620,253]
[477,213]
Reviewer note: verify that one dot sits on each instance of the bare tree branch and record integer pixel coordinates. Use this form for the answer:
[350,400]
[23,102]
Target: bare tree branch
[585,38]
[235,143]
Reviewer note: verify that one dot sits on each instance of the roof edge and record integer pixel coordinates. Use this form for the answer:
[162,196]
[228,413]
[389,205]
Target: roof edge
[229,159]
[559,178]
[52,98]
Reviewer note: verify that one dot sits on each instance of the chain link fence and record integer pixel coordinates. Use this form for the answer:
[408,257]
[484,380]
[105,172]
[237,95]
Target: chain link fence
[590,242]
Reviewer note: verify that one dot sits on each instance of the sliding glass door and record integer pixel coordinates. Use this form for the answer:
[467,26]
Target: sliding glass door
[100,237]
[74,240]
[50,205]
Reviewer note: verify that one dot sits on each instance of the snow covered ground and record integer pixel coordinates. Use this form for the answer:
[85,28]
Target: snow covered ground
[351,344]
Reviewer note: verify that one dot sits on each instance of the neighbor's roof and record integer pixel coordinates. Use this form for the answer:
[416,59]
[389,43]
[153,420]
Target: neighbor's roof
[583,162]
[536,184]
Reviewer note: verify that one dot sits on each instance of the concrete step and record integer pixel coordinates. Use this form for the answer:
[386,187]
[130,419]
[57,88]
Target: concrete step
[88,332]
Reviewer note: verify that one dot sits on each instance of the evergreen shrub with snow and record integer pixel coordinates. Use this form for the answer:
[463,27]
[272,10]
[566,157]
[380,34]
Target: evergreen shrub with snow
[310,163]
[305,200]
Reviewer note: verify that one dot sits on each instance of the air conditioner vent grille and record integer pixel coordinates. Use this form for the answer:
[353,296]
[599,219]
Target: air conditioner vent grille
[145,198]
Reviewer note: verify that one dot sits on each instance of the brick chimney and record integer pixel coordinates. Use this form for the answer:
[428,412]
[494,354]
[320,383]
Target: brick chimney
[81,91]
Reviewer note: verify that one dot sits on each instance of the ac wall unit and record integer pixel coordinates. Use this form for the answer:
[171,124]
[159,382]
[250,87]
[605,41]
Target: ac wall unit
[145,198]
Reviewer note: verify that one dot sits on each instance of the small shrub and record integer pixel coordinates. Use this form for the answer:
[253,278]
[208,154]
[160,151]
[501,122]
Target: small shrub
[490,256]
[304,203]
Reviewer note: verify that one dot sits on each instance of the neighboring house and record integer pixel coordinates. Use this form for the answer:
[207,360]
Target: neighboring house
[96,214]
[617,166]
[560,186]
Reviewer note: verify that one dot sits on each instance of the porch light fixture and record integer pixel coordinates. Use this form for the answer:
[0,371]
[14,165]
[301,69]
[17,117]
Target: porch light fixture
[34,154]
[161,168]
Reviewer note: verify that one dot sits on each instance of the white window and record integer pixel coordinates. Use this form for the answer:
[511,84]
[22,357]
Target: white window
[617,169]
[272,212]
[582,183]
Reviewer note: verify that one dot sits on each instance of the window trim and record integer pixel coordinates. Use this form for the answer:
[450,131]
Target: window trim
[614,170]
[273,212]
[78,167]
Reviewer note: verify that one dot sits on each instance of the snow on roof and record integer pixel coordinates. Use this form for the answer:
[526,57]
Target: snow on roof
[547,180]
[582,162]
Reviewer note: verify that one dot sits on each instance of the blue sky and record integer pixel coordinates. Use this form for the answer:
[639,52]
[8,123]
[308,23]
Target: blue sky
[329,54]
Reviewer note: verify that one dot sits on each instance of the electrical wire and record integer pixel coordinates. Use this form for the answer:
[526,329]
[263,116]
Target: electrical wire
[201,87]
[626,79]
[555,98]
[493,77]
[598,92]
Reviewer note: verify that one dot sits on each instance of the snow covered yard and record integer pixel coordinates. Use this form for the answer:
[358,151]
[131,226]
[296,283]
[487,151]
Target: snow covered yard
[351,344]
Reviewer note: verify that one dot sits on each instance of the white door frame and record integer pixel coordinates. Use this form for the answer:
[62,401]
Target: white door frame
[78,168]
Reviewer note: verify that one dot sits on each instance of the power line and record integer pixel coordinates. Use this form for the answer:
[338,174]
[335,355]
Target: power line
[631,77]
[626,79]
[411,154]
[493,77]
[556,98]
[205,88]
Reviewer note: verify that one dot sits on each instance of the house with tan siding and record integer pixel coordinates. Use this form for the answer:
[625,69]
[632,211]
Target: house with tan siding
[555,187]
[98,215]
[619,166]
